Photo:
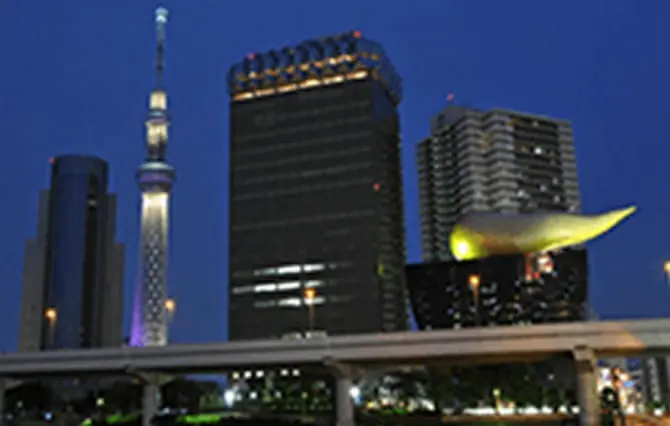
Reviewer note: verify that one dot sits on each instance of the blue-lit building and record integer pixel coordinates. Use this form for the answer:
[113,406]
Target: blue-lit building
[316,208]
[72,284]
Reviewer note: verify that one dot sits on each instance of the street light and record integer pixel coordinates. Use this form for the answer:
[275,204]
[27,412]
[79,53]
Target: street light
[310,295]
[51,315]
[666,267]
[170,307]
[474,282]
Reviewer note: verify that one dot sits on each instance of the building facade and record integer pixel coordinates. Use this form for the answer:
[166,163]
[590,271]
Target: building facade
[497,160]
[316,210]
[656,381]
[497,291]
[73,270]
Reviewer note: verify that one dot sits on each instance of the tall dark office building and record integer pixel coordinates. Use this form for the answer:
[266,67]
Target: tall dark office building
[73,270]
[316,210]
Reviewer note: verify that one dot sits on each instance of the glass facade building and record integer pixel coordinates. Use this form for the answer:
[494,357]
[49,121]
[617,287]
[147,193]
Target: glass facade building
[316,214]
[73,282]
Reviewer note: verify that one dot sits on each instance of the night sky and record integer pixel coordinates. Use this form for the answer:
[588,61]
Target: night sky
[75,76]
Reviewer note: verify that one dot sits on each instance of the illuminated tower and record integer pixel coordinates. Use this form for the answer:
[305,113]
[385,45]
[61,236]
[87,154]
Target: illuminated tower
[155,177]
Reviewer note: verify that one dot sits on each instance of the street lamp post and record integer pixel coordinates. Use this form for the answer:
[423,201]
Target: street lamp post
[170,308]
[51,315]
[474,282]
[310,295]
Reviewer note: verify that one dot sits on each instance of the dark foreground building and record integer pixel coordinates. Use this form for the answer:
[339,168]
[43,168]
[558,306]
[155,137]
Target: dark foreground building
[316,212]
[499,290]
[73,268]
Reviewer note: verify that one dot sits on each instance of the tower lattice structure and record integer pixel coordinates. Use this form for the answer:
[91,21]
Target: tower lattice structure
[155,178]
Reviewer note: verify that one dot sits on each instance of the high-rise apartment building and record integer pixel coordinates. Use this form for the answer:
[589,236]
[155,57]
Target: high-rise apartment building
[497,160]
[316,211]
[73,271]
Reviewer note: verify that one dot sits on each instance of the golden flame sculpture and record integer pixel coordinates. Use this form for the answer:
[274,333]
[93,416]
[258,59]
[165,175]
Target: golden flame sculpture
[481,235]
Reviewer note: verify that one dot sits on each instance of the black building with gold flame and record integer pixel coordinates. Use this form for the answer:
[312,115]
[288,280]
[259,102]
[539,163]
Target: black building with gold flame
[500,290]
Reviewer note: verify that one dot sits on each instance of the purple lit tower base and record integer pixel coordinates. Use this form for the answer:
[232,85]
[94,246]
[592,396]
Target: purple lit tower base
[136,331]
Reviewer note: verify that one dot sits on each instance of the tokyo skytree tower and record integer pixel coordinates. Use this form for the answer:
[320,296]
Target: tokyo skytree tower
[155,178]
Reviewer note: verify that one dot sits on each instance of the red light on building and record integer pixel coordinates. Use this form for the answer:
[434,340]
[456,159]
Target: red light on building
[450,97]
[357,34]
[52,160]
[251,56]
[376,186]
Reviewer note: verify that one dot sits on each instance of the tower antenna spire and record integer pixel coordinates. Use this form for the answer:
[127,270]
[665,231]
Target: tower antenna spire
[155,178]
[161,21]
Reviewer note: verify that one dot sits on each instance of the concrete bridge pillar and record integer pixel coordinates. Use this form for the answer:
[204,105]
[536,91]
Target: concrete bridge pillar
[151,396]
[344,382]
[587,392]
[3,390]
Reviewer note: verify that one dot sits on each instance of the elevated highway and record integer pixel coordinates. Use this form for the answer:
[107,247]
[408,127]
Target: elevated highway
[467,346]
[584,342]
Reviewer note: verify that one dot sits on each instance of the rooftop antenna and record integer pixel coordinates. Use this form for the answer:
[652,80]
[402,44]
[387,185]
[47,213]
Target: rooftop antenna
[161,20]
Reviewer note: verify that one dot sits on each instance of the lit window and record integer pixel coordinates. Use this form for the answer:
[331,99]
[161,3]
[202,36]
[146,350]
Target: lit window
[289,285]
[314,300]
[290,269]
[243,289]
[266,271]
[265,304]
[158,100]
[313,283]
[313,267]
[156,132]
[538,150]
[291,302]
[264,288]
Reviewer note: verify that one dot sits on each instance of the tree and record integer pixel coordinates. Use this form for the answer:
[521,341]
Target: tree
[182,393]
[441,388]
[30,396]
[123,395]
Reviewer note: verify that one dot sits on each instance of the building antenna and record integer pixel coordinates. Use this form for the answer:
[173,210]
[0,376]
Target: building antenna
[161,20]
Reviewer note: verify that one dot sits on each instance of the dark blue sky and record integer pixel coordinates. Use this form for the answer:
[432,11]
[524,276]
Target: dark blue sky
[75,77]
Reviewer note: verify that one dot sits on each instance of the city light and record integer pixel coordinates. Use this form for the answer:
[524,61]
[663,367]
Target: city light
[305,84]
[158,100]
[474,281]
[154,200]
[170,306]
[310,294]
[51,314]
